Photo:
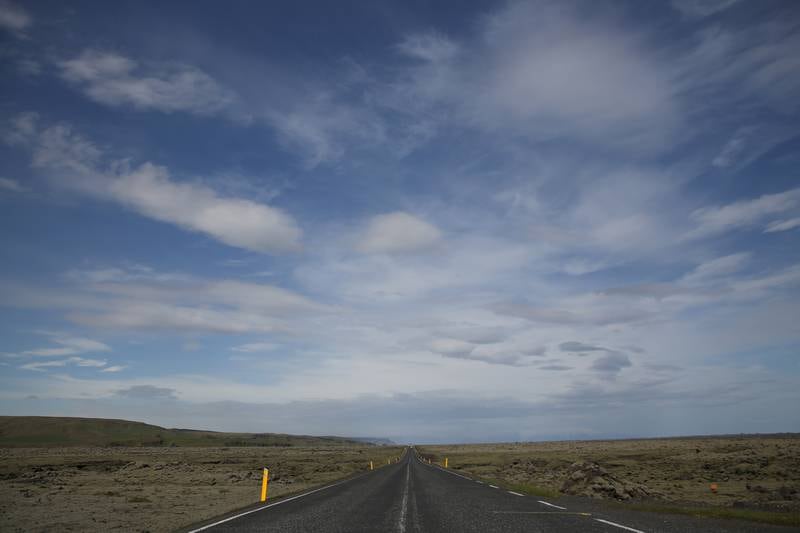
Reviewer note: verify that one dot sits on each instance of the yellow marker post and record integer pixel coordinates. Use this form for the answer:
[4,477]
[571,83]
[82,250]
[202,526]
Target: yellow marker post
[445,462]
[370,465]
[264,483]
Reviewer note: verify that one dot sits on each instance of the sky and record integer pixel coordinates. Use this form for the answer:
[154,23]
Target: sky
[428,222]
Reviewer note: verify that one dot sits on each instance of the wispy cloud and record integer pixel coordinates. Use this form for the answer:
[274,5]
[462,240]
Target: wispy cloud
[702,8]
[782,225]
[254,347]
[113,79]
[13,17]
[77,361]
[147,392]
[396,233]
[10,185]
[150,190]
[167,303]
[716,267]
[69,346]
[743,214]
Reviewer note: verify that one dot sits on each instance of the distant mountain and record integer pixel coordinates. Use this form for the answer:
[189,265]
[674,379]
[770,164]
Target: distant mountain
[375,441]
[49,431]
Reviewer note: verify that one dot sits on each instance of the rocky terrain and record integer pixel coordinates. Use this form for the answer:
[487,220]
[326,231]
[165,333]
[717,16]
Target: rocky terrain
[756,472]
[157,488]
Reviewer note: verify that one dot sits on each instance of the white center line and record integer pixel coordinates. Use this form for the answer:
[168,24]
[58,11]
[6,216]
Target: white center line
[552,505]
[619,525]
[515,493]
[401,524]
[494,486]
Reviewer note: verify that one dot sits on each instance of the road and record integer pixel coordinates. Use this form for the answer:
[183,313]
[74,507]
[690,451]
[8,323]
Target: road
[413,496]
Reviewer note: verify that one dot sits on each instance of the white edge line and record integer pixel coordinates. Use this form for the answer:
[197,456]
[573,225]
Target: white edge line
[619,525]
[515,493]
[494,486]
[451,472]
[552,505]
[234,517]
[481,482]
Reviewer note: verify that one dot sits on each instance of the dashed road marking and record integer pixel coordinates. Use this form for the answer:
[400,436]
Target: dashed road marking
[515,493]
[494,486]
[626,528]
[552,505]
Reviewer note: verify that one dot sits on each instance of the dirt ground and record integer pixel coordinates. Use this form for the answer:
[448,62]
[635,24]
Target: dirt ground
[758,472]
[157,489]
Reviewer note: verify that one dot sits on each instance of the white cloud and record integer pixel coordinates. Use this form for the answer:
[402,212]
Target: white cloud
[80,361]
[552,72]
[168,303]
[398,232]
[716,267]
[21,129]
[236,222]
[755,63]
[731,151]
[321,127]
[112,79]
[254,347]
[127,272]
[154,315]
[783,225]
[452,347]
[745,213]
[42,365]
[701,8]
[114,368]
[461,263]
[77,361]
[69,346]
[579,267]
[150,191]
[431,47]
[13,17]
[7,184]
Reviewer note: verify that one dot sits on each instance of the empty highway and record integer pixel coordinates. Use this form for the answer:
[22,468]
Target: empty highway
[413,496]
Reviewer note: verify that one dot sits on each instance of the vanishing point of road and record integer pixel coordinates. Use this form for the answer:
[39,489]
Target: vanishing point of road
[412,496]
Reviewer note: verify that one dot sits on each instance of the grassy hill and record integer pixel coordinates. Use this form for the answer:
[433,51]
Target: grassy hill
[50,431]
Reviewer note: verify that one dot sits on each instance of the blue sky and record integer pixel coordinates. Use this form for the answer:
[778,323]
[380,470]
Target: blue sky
[463,222]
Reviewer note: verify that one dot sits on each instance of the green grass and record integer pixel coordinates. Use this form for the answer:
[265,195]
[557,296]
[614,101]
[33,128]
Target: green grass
[750,515]
[46,431]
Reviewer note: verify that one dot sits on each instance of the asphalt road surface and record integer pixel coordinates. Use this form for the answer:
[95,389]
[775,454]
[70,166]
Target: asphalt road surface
[413,496]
